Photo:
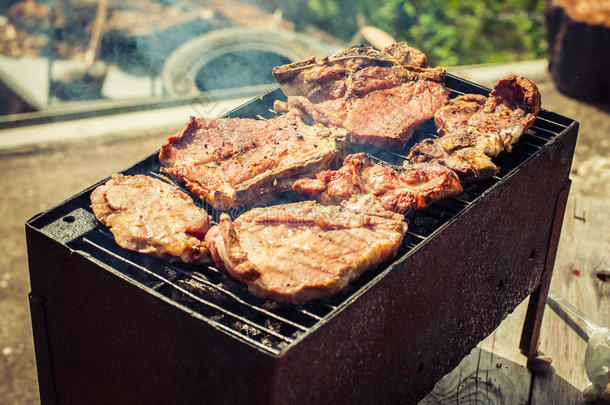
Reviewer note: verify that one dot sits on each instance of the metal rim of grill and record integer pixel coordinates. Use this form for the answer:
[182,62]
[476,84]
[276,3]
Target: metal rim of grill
[214,297]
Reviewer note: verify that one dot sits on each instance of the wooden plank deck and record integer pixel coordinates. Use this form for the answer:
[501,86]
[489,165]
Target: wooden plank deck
[495,371]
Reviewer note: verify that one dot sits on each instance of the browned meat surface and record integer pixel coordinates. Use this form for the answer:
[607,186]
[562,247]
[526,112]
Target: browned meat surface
[469,162]
[302,251]
[457,111]
[414,187]
[148,215]
[232,161]
[379,96]
[476,128]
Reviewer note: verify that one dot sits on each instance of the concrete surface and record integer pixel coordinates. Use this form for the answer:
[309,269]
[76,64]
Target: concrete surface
[32,182]
[29,77]
[31,138]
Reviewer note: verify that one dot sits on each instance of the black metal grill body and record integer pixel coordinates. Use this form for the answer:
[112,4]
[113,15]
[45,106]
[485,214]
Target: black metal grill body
[114,326]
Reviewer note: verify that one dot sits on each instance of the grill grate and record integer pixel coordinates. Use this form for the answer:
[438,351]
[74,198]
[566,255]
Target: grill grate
[225,303]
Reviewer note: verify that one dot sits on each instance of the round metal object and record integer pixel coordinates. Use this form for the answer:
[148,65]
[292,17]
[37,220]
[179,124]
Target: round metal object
[181,67]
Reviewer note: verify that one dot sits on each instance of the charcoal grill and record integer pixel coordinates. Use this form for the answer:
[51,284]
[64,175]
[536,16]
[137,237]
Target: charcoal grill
[114,326]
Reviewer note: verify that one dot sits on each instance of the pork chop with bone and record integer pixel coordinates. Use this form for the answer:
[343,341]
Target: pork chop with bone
[237,161]
[379,96]
[301,251]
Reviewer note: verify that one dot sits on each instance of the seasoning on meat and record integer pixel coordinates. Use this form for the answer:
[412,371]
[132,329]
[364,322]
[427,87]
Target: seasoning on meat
[379,96]
[302,251]
[476,128]
[232,161]
[148,215]
[397,189]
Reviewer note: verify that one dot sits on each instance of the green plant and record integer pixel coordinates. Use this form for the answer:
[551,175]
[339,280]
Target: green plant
[450,32]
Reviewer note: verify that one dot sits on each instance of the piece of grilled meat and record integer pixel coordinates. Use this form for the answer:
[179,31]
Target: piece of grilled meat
[476,128]
[379,96]
[397,189]
[236,161]
[301,251]
[148,215]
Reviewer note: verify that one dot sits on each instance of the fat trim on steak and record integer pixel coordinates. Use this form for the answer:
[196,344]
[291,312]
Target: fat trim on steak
[231,162]
[296,252]
[379,96]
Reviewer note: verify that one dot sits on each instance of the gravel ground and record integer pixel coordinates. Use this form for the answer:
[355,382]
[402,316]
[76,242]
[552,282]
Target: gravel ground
[34,182]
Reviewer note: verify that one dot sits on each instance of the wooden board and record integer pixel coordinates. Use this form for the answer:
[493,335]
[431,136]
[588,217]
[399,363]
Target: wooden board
[495,372]
[584,252]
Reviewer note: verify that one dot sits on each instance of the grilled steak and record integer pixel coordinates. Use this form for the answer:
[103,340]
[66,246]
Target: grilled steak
[301,251]
[414,187]
[232,161]
[476,128]
[379,96]
[149,216]
[457,111]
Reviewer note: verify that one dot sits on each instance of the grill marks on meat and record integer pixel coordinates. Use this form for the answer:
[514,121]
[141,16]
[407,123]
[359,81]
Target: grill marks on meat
[379,96]
[150,216]
[400,190]
[301,251]
[476,128]
[234,161]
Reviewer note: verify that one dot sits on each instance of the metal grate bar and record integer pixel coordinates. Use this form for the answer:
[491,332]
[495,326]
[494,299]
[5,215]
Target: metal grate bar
[416,236]
[238,299]
[555,118]
[294,307]
[457,198]
[319,307]
[375,158]
[394,154]
[533,140]
[532,134]
[308,313]
[557,127]
[530,141]
[544,133]
[191,295]
[203,280]
[228,329]
[545,130]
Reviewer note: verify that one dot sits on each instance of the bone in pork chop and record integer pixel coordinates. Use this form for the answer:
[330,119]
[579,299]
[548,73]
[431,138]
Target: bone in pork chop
[301,251]
[148,215]
[476,128]
[379,96]
[233,161]
[414,187]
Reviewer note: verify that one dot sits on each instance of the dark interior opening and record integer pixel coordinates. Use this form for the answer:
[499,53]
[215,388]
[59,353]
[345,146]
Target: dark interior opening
[239,69]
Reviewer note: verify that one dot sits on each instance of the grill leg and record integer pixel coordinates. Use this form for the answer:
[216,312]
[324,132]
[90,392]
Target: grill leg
[530,335]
